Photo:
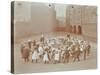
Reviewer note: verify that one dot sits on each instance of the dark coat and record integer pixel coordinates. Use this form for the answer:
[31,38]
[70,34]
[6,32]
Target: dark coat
[25,52]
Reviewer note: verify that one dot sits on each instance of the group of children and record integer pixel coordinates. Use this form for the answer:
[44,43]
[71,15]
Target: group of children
[55,50]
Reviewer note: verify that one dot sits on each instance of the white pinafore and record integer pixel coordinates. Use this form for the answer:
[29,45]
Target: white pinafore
[46,58]
[35,55]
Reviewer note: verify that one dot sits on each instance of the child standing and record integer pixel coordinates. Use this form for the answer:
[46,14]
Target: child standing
[46,57]
[35,55]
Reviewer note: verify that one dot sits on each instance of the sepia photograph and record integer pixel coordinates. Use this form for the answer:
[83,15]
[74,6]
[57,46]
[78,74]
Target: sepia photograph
[51,37]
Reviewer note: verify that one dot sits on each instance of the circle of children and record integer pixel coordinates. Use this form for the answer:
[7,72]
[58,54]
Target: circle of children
[55,50]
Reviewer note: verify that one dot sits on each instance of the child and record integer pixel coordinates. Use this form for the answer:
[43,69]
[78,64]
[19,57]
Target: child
[46,56]
[57,56]
[35,55]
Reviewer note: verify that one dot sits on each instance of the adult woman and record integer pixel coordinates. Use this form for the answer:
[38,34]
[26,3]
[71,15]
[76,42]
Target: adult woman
[25,53]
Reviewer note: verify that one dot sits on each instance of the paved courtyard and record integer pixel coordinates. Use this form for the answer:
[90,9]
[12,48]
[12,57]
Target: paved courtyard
[27,67]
